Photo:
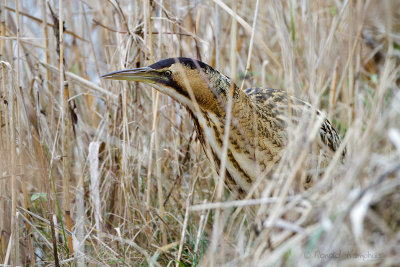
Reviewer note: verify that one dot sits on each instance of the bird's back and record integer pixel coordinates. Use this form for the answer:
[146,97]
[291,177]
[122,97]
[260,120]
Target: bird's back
[263,123]
[274,103]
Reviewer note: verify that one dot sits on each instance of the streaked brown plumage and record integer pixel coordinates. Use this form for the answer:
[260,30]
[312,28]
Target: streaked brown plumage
[260,117]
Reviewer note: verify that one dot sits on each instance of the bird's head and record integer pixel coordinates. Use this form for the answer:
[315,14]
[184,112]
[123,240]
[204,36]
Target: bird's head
[182,79]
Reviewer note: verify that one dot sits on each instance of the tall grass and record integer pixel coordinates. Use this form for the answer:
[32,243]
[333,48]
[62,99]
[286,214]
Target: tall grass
[111,173]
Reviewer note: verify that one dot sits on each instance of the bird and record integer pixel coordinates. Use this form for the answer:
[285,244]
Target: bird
[258,131]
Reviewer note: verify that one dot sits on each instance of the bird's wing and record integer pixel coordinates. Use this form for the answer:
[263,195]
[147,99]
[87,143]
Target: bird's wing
[275,101]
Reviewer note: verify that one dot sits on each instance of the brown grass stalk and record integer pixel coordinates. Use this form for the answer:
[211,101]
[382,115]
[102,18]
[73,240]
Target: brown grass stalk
[157,199]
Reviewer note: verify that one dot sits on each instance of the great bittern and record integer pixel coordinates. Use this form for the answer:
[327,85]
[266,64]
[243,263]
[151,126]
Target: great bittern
[259,125]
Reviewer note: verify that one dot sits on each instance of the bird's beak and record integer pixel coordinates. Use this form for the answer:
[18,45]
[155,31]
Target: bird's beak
[146,75]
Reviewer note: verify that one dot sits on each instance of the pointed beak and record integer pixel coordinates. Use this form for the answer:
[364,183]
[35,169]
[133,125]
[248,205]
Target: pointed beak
[146,75]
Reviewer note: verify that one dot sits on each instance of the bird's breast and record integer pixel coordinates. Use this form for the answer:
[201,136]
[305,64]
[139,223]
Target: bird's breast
[245,161]
[236,166]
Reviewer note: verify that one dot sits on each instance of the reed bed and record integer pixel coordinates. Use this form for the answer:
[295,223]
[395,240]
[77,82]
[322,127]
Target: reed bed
[94,172]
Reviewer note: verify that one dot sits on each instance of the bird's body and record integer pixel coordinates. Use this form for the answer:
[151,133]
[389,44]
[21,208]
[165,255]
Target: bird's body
[260,121]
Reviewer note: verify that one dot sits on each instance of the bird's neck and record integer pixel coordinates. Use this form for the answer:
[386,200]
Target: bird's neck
[241,108]
[224,89]
[235,102]
[211,126]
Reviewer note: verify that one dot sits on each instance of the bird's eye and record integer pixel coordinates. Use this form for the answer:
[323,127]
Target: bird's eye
[168,73]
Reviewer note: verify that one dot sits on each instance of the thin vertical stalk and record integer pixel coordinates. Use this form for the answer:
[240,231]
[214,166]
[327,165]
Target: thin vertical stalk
[64,127]
[217,35]
[46,43]
[217,227]
[350,87]
[14,190]
[27,225]
[157,147]
[251,43]
[46,185]
[185,222]
[54,240]
[2,33]
[155,95]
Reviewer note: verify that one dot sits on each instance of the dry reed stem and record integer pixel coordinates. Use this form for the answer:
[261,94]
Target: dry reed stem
[341,56]
[13,159]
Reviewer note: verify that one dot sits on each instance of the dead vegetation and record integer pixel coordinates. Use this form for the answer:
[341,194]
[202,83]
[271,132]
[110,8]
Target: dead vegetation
[111,173]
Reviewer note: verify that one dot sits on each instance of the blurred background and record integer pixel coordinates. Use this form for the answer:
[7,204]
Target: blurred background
[94,172]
